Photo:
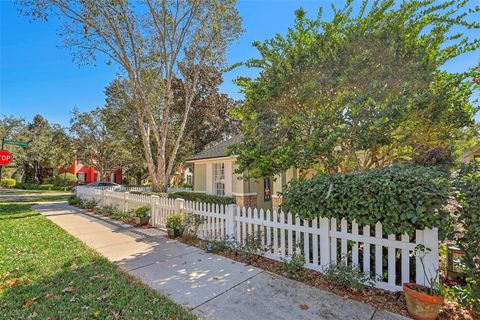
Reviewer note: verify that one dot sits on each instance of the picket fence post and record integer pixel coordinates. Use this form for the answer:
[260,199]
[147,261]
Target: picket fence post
[153,209]
[179,205]
[125,202]
[104,200]
[324,243]
[230,214]
[430,241]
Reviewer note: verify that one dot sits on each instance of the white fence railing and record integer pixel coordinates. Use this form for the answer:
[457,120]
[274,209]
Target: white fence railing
[322,241]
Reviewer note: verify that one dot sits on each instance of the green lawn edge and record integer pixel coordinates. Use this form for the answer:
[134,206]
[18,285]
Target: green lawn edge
[46,273]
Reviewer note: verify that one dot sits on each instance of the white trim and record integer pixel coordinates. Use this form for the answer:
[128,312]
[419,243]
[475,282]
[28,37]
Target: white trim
[244,194]
[199,191]
[217,159]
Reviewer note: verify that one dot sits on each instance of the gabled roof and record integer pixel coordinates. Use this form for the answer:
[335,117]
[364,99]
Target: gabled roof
[216,151]
[471,151]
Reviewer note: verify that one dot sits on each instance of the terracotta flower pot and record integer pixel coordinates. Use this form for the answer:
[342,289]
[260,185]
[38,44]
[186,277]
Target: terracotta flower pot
[421,306]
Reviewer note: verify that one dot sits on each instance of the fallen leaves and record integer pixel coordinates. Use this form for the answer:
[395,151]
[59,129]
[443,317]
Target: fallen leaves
[68,289]
[29,303]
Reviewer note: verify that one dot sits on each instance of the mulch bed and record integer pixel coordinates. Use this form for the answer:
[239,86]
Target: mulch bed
[377,298]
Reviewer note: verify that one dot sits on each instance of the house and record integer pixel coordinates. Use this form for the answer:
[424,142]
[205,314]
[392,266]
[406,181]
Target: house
[214,173]
[88,174]
[472,154]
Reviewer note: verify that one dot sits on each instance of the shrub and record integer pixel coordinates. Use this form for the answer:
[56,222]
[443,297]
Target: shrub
[190,226]
[202,197]
[8,183]
[174,222]
[349,277]
[88,204]
[217,245]
[141,212]
[36,186]
[402,198]
[294,267]
[74,201]
[467,185]
[64,179]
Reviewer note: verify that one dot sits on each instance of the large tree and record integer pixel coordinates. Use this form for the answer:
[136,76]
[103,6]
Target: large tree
[153,42]
[209,121]
[358,91]
[95,145]
[49,147]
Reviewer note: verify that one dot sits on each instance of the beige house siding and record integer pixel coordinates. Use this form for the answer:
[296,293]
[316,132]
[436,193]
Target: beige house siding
[200,177]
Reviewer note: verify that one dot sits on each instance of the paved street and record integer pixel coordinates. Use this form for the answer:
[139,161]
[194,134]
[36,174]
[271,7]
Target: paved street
[212,286]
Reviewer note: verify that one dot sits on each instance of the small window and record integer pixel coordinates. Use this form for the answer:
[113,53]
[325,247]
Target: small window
[219,179]
[82,177]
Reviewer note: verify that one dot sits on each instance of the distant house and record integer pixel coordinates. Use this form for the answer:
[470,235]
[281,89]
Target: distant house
[214,173]
[472,154]
[88,174]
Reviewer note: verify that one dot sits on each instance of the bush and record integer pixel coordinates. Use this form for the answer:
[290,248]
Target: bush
[174,222]
[294,267]
[8,183]
[201,197]
[64,179]
[141,212]
[349,277]
[217,245]
[36,186]
[74,201]
[402,198]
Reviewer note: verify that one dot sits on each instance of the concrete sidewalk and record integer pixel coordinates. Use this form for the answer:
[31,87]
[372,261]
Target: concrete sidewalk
[211,286]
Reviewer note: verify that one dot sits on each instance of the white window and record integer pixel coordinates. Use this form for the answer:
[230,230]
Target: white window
[82,177]
[219,179]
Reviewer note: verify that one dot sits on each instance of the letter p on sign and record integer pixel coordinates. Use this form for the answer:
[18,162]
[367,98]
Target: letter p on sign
[5,157]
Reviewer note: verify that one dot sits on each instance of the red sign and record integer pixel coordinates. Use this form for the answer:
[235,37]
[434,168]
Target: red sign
[5,157]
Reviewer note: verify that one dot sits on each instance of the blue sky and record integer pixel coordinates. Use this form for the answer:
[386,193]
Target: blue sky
[37,74]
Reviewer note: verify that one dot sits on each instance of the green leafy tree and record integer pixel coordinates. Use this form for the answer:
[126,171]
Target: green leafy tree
[358,91]
[95,145]
[153,42]
[49,147]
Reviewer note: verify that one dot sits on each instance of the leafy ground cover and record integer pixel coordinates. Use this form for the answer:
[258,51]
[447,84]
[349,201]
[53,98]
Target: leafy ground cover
[45,273]
[39,198]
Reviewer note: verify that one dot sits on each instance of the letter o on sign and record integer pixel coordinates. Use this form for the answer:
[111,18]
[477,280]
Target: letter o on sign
[5,157]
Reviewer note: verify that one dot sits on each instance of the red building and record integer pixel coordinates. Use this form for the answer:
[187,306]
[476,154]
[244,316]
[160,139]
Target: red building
[87,175]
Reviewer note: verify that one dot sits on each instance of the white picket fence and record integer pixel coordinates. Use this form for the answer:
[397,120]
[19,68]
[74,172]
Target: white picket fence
[321,241]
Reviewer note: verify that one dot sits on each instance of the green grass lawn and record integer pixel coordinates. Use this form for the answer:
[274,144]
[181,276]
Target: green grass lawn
[26,191]
[45,273]
[39,198]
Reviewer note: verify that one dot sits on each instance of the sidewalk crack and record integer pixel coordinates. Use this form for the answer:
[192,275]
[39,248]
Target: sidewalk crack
[212,298]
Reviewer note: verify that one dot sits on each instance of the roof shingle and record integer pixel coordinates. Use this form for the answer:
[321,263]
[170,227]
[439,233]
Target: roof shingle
[216,151]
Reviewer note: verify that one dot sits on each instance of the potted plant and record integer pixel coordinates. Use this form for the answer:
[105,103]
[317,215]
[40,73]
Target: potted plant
[141,216]
[174,226]
[423,302]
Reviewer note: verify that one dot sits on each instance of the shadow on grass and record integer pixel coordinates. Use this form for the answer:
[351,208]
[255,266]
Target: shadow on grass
[15,211]
[94,289]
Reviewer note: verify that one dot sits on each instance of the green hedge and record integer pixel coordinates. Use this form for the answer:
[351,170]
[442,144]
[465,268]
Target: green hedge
[36,186]
[201,197]
[402,198]
[467,187]
[8,183]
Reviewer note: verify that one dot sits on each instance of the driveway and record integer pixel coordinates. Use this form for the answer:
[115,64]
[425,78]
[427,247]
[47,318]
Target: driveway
[211,286]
